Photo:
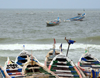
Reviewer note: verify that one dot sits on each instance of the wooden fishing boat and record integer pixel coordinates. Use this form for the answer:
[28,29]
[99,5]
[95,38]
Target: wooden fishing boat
[53,23]
[21,59]
[34,69]
[11,70]
[51,54]
[65,68]
[62,66]
[77,18]
[87,63]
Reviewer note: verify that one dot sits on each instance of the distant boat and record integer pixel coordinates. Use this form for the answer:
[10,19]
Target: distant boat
[77,18]
[87,63]
[53,23]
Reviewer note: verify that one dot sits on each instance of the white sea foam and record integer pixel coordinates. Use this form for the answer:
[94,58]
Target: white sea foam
[46,46]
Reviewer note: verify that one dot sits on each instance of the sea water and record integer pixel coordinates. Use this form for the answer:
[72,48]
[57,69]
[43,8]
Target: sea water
[27,27]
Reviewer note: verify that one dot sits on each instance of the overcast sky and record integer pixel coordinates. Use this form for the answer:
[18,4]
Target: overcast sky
[50,4]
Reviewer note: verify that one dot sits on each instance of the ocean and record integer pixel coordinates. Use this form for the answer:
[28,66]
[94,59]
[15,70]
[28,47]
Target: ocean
[27,27]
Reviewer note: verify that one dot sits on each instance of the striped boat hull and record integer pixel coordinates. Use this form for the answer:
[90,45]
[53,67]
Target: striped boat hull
[11,70]
[88,63]
[64,67]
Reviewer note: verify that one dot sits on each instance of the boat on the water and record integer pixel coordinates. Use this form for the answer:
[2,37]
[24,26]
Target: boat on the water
[21,59]
[87,63]
[77,18]
[62,66]
[34,69]
[53,23]
[11,70]
[51,54]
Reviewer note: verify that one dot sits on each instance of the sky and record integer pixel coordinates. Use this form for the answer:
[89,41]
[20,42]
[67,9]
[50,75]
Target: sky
[49,4]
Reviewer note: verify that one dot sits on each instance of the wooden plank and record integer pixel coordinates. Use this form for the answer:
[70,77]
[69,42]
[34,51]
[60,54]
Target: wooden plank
[62,66]
[34,68]
[68,75]
[62,62]
[67,71]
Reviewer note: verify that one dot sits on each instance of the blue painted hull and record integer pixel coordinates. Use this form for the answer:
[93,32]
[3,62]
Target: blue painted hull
[77,18]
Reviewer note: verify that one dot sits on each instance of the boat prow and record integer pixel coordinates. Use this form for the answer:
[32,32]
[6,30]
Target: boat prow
[50,56]
[21,59]
[33,69]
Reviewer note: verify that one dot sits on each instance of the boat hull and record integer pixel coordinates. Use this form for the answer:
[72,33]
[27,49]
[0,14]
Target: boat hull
[48,59]
[64,67]
[52,24]
[88,63]
[77,18]
[11,70]
[21,59]
[34,69]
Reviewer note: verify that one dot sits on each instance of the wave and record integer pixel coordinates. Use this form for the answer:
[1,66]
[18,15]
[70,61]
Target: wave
[3,39]
[89,40]
[95,38]
[46,46]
